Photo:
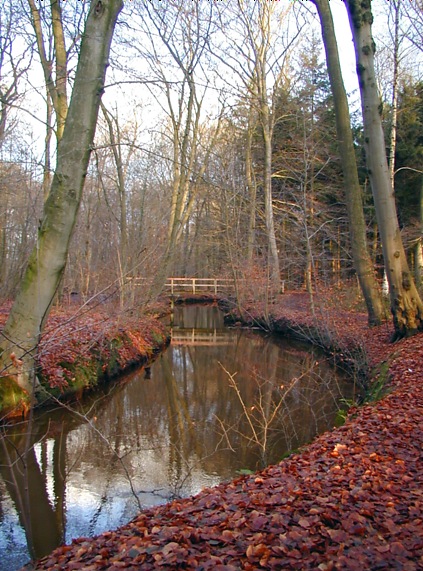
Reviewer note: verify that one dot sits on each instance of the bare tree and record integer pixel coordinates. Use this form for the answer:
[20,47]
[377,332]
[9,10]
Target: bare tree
[257,60]
[357,225]
[13,64]
[175,40]
[406,305]
[48,259]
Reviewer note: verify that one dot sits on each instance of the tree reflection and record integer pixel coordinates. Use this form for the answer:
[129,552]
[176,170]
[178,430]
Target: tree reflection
[158,433]
[25,471]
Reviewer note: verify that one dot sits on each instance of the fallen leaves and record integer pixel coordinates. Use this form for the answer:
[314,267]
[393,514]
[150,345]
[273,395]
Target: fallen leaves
[351,500]
[80,350]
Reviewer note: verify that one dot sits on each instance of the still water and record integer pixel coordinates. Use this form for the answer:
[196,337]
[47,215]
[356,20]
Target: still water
[218,401]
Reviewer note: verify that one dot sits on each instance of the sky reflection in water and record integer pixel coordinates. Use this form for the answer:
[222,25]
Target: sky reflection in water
[165,432]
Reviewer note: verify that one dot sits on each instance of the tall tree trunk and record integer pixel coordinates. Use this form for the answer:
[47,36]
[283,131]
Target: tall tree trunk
[251,187]
[275,278]
[266,123]
[394,102]
[121,175]
[48,259]
[406,305]
[47,148]
[357,224]
[418,269]
[4,213]
[58,87]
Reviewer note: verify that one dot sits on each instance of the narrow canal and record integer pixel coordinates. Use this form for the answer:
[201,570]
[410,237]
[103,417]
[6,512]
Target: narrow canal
[217,402]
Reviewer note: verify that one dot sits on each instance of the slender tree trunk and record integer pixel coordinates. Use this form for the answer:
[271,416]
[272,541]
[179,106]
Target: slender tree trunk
[266,123]
[115,142]
[406,305]
[61,101]
[251,187]
[86,277]
[394,103]
[4,212]
[268,206]
[47,148]
[418,271]
[57,88]
[357,224]
[48,259]
[308,201]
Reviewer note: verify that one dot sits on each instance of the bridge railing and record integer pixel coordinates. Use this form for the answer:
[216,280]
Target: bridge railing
[199,285]
[178,285]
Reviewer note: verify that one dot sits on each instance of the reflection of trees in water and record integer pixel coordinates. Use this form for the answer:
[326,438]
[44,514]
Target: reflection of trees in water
[295,397]
[157,433]
[25,468]
[200,400]
[182,440]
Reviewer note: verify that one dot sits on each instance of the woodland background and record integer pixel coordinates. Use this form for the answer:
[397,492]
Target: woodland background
[195,83]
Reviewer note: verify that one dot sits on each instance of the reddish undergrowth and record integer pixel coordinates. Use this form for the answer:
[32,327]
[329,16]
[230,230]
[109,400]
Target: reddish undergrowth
[352,499]
[80,348]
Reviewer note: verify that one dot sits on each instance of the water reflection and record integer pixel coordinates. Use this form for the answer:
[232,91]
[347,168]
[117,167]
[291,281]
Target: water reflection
[217,401]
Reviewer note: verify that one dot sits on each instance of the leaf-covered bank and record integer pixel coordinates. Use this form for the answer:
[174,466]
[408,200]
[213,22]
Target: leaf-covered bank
[344,335]
[352,499]
[79,351]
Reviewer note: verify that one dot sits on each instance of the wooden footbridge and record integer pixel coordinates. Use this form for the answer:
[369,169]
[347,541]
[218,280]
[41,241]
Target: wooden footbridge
[179,286]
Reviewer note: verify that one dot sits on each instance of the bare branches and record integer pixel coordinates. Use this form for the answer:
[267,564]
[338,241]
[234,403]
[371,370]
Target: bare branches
[270,415]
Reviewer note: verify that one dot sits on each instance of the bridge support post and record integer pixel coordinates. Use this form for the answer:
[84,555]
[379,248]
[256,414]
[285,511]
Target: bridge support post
[172,310]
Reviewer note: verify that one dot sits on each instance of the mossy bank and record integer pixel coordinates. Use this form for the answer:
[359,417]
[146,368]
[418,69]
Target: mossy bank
[77,357]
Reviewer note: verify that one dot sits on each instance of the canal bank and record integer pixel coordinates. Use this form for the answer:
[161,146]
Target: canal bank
[80,350]
[350,500]
[218,402]
[342,335]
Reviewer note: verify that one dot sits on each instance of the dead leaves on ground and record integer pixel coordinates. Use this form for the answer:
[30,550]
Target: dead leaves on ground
[351,500]
[95,345]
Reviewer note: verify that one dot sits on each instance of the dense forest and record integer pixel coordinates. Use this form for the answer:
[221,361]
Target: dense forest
[149,139]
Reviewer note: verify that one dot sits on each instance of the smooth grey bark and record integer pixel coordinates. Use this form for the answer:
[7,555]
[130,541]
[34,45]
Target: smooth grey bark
[406,305]
[47,261]
[274,266]
[357,225]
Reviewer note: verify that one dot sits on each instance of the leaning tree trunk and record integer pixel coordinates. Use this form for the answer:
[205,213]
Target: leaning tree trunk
[357,225]
[406,305]
[48,259]
[57,89]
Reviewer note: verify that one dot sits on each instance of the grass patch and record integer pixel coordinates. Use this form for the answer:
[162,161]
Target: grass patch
[378,388]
